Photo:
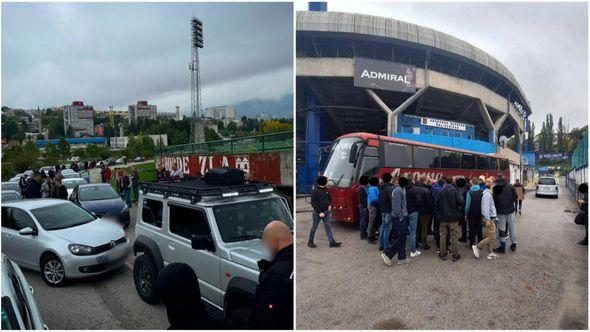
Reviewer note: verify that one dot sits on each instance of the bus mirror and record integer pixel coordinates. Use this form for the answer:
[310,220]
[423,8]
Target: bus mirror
[353,153]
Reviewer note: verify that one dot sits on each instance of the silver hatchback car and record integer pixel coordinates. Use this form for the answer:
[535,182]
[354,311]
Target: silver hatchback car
[61,239]
[547,186]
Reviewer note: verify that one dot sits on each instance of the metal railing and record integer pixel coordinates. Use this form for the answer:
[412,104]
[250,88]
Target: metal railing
[259,143]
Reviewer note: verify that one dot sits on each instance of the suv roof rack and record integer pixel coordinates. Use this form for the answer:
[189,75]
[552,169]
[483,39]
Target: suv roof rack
[193,189]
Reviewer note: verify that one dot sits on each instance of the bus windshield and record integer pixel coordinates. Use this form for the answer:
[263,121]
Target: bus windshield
[339,171]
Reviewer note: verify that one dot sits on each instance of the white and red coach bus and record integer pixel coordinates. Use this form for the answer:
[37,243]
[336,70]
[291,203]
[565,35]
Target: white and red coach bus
[357,154]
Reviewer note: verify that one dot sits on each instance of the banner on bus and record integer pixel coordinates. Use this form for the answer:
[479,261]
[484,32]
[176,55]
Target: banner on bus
[384,75]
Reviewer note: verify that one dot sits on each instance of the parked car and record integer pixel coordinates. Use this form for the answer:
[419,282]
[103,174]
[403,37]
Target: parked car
[71,183]
[67,171]
[46,169]
[19,308]
[215,229]
[547,186]
[13,185]
[17,177]
[71,175]
[61,240]
[102,200]
[11,196]
[138,159]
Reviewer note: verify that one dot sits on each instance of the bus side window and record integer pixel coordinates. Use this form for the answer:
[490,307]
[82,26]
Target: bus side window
[397,155]
[493,164]
[483,163]
[370,164]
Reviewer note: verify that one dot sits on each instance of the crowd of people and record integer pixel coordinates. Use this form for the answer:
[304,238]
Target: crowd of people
[43,184]
[479,212]
[125,183]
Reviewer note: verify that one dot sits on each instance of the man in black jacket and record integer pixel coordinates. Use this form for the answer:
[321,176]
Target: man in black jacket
[385,192]
[59,190]
[363,207]
[505,197]
[424,211]
[320,201]
[273,301]
[33,189]
[448,205]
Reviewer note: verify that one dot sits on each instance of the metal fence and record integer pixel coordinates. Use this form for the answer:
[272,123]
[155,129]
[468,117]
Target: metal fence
[260,143]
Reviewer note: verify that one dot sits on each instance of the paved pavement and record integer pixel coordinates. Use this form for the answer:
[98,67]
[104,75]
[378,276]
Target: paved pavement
[105,302]
[543,285]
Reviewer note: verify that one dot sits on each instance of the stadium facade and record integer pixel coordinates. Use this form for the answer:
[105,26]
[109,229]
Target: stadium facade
[361,73]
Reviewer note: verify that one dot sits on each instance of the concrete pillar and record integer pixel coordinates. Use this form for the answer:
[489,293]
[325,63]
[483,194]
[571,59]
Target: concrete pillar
[312,135]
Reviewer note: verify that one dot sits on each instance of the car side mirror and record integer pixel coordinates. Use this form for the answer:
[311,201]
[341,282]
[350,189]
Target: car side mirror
[202,242]
[27,231]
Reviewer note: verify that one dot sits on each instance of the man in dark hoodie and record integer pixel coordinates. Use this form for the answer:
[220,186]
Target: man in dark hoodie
[462,189]
[473,212]
[385,190]
[362,204]
[273,301]
[33,189]
[178,286]
[505,197]
[320,201]
[448,206]
[424,211]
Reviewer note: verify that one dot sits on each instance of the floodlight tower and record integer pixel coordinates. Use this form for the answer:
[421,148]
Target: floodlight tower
[197,128]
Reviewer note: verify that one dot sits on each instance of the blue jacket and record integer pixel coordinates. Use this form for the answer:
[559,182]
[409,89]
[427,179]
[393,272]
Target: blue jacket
[373,196]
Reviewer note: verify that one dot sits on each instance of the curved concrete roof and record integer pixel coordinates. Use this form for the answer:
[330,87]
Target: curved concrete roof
[390,28]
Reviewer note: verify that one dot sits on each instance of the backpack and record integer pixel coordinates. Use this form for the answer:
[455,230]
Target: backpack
[475,208]
[581,219]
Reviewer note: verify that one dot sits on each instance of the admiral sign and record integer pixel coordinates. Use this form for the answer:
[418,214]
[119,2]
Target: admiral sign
[384,75]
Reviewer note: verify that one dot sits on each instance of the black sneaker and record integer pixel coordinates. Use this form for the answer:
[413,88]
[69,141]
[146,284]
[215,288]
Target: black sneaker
[584,242]
[500,250]
[513,247]
[380,248]
[456,258]
[311,244]
[443,257]
[335,244]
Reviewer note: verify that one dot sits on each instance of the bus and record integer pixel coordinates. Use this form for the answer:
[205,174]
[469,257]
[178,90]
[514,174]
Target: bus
[357,154]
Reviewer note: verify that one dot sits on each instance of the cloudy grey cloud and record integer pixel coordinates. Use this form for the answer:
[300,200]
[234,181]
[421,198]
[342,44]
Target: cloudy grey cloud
[118,53]
[545,45]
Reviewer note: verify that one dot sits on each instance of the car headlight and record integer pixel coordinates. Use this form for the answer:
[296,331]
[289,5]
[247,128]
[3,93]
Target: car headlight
[80,250]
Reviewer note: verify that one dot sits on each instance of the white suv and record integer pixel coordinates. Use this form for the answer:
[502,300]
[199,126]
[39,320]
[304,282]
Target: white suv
[547,186]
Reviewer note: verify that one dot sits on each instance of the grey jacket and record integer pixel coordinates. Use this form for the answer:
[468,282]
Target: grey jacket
[488,208]
[398,203]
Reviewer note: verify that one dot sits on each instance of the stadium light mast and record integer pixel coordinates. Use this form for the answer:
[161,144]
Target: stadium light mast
[197,128]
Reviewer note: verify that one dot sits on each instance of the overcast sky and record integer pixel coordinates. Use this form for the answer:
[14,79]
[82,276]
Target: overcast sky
[115,54]
[545,45]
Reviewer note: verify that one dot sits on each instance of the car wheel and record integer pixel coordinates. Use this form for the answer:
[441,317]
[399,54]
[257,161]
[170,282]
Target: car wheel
[145,276]
[241,317]
[53,271]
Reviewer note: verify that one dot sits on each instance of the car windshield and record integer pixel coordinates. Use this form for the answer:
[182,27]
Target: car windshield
[339,171]
[547,181]
[71,175]
[9,197]
[62,216]
[246,220]
[97,193]
[10,186]
[71,184]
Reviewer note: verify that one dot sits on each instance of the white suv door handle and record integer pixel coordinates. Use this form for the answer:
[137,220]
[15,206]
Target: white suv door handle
[171,247]
[10,236]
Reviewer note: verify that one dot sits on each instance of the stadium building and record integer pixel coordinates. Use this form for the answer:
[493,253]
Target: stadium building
[361,73]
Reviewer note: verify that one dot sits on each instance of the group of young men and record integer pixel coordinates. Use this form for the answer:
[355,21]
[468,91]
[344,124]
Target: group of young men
[43,185]
[393,209]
